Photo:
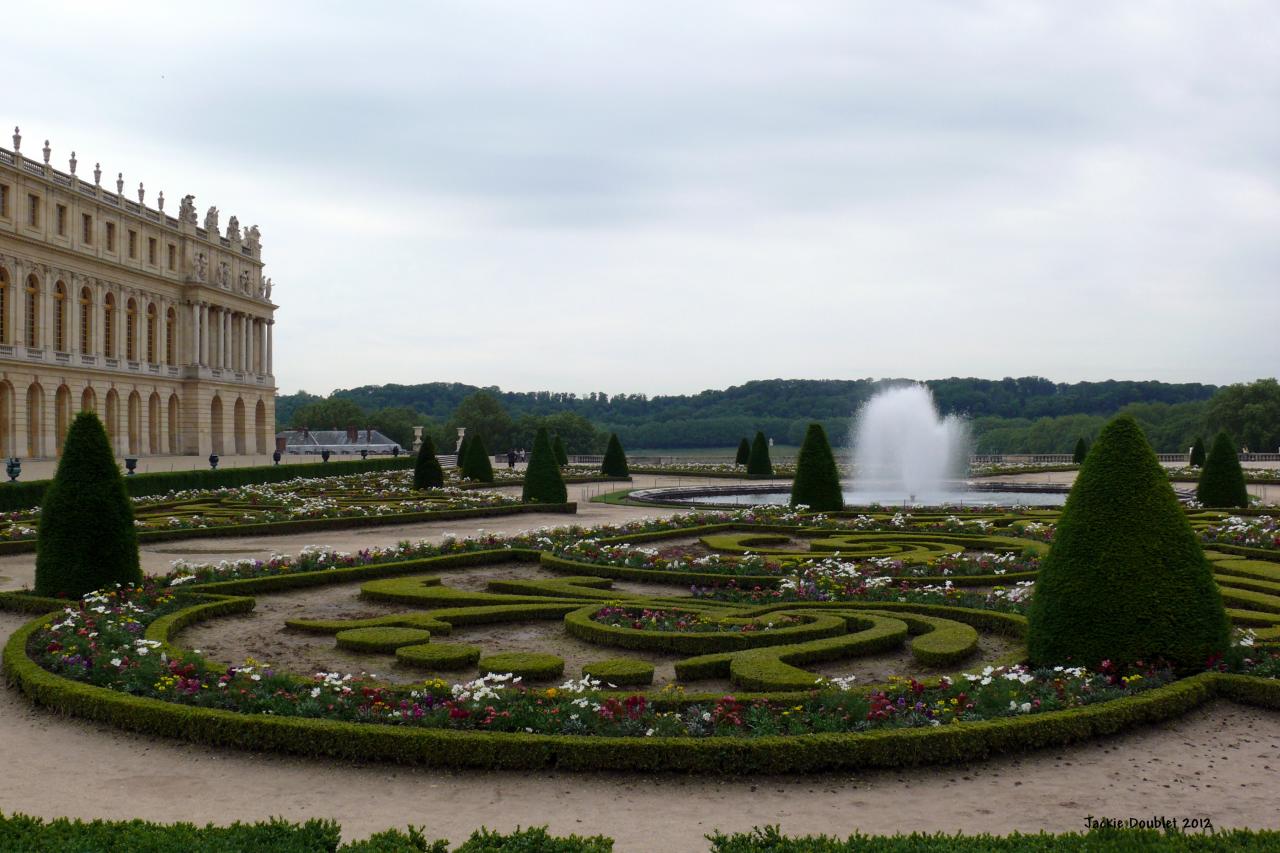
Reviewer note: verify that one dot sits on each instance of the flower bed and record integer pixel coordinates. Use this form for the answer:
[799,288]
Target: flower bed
[644,619]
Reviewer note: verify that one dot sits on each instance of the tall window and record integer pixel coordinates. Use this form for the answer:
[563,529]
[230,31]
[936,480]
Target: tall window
[4,306]
[151,250]
[109,326]
[86,229]
[33,311]
[86,318]
[60,317]
[60,220]
[33,210]
[151,333]
[173,257]
[170,344]
[131,331]
[111,236]
[133,244]
[4,200]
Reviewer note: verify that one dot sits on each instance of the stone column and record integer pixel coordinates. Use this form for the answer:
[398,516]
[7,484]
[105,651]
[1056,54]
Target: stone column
[226,339]
[270,345]
[248,344]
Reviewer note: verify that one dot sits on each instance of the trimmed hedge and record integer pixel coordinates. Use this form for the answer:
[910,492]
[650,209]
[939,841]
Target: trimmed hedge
[744,452]
[1197,453]
[1222,479]
[1126,579]
[87,539]
[614,463]
[817,625]
[25,495]
[817,483]
[543,482]
[557,446]
[1102,840]
[804,753]
[427,473]
[532,666]
[477,466]
[559,564]
[381,639]
[759,466]
[439,656]
[621,672]
[1081,451]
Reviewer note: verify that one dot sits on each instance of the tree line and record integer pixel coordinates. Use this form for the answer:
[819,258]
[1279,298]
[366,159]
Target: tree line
[1023,415]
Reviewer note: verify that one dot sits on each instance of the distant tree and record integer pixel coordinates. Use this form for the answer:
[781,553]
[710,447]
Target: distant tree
[397,423]
[615,461]
[1197,453]
[557,447]
[427,473]
[542,480]
[1081,451]
[86,538]
[817,483]
[759,466]
[477,466]
[744,452]
[329,414]
[576,433]
[1126,579]
[482,413]
[1250,412]
[1222,481]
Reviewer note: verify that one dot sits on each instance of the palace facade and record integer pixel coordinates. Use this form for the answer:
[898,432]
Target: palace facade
[161,326]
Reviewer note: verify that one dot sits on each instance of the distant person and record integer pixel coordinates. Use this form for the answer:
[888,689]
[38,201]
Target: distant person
[511,459]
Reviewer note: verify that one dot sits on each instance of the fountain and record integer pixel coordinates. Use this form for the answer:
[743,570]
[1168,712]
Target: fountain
[904,451]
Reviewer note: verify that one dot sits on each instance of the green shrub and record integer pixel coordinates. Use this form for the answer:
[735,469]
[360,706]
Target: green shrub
[1222,480]
[615,461]
[439,656]
[542,480]
[744,452]
[817,482]
[759,466]
[19,832]
[380,639]
[533,840]
[427,473]
[477,466]
[1125,578]
[461,452]
[1197,453]
[86,537]
[532,666]
[562,457]
[621,672]
[1081,451]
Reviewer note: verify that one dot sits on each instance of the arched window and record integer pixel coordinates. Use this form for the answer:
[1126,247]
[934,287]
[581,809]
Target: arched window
[60,317]
[151,333]
[33,311]
[86,321]
[170,337]
[109,326]
[4,306]
[131,330]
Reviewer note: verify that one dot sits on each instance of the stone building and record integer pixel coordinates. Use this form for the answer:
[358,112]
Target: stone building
[159,325]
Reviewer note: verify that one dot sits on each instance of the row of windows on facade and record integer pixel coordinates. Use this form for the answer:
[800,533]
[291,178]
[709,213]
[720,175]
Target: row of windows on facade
[109,309]
[87,230]
[240,441]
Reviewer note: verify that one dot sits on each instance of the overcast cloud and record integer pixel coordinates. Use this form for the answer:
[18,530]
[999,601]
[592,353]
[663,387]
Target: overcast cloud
[665,197]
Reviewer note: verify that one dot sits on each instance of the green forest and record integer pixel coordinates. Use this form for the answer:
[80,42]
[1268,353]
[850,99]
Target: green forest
[1023,415]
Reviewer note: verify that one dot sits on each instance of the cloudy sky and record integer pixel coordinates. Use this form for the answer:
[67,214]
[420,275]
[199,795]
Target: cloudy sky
[663,197]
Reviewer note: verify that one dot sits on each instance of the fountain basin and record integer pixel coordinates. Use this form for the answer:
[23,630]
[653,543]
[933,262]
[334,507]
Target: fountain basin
[953,494]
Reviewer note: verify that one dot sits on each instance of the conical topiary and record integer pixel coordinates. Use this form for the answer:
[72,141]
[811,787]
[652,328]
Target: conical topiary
[615,461]
[477,466]
[1081,451]
[461,453]
[1197,453]
[86,539]
[758,465]
[1222,479]
[562,458]
[744,453]
[427,473]
[1125,579]
[817,483]
[542,480]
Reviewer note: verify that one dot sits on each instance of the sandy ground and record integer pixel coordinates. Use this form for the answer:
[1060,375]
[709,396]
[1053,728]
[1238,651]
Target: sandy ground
[1221,762]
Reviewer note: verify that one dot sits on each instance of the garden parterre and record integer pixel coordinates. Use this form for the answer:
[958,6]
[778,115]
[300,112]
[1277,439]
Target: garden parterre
[120,641]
